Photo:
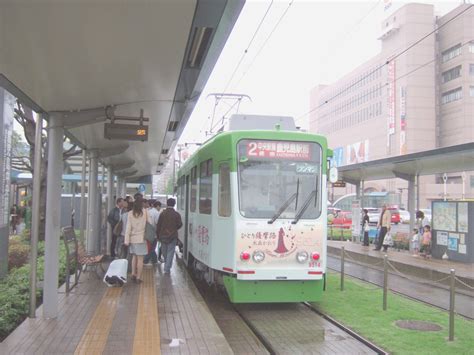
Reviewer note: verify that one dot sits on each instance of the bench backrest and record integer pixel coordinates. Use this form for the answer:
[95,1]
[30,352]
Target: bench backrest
[70,241]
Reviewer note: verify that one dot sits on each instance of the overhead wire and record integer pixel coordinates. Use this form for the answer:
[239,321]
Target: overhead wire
[390,59]
[248,46]
[265,42]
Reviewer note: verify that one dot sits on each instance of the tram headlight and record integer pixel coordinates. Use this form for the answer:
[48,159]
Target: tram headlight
[302,256]
[258,256]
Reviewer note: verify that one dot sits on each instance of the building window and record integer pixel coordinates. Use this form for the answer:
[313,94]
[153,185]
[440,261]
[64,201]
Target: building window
[451,53]
[224,205]
[471,91]
[451,74]
[205,187]
[193,189]
[471,69]
[452,95]
[471,47]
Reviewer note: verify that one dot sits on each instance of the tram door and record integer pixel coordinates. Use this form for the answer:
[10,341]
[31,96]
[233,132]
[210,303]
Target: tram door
[186,220]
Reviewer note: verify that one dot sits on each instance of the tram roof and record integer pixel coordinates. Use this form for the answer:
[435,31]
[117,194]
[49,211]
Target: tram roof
[436,161]
[154,55]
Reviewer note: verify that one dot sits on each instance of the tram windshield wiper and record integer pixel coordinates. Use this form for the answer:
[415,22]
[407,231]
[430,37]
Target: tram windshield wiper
[306,204]
[287,203]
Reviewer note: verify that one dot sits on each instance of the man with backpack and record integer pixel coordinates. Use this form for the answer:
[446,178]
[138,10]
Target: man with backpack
[114,218]
[167,232]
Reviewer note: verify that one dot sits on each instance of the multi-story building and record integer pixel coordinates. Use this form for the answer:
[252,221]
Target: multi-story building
[414,95]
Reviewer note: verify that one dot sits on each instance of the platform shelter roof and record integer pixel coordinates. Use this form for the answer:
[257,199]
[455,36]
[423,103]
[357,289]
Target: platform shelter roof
[81,56]
[451,159]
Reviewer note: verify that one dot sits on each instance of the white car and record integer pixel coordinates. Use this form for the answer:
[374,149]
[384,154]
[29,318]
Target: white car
[404,216]
[374,214]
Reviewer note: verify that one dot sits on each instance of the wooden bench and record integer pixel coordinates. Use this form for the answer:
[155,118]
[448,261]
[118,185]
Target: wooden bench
[77,258]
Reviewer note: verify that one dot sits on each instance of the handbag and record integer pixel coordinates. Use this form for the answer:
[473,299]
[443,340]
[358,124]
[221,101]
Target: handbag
[150,231]
[118,228]
[388,239]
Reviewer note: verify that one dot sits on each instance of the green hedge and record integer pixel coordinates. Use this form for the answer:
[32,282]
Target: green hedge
[14,291]
[336,233]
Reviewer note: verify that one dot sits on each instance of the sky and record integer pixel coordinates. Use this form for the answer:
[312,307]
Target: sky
[315,42]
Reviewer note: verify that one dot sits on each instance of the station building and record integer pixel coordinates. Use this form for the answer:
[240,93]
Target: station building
[421,100]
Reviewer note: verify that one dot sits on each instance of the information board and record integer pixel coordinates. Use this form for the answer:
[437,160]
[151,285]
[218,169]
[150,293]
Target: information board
[452,232]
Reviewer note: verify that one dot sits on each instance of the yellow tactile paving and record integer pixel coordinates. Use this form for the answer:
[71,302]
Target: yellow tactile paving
[95,337]
[147,328]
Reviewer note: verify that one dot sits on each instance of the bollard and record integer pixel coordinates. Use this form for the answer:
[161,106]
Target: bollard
[451,305]
[342,268]
[385,281]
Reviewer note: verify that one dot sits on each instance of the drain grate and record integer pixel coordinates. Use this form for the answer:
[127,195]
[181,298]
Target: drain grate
[418,325]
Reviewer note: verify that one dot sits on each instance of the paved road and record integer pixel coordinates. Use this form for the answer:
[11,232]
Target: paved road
[426,293]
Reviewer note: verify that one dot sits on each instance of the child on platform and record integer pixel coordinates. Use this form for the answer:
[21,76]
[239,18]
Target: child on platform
[426,241]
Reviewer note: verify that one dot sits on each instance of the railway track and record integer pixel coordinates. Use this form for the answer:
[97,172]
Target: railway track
[289,328]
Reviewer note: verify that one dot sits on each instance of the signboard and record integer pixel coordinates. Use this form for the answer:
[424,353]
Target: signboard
[403,123]
[444,216]
[141,188]
[358,152]
[279,150]
[338,157]
[453,234]
[442,238]
[339,183]
[390,100]
[128,132]
[356,217]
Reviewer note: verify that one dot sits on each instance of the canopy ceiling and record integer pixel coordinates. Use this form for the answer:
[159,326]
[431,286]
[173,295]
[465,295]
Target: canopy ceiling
[154,56]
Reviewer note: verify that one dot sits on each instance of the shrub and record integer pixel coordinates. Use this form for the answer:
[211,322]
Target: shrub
[17,255]
[14,290]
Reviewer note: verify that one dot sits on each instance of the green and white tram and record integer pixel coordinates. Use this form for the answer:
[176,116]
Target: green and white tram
[253,204]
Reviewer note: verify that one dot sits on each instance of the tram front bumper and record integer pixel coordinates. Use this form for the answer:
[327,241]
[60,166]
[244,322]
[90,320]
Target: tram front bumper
[272,291]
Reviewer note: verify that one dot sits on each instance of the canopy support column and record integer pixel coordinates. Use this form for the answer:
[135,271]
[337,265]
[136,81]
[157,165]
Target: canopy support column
[110,205]
[118,188]
[83,207]
[94,217]
[35,213]
[411,201]
[53,215]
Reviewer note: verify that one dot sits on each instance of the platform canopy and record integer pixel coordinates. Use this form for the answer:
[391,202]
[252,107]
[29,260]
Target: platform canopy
[437,161]
[134,55]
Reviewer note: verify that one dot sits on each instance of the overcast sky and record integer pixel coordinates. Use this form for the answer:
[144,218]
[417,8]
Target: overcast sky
[316,42]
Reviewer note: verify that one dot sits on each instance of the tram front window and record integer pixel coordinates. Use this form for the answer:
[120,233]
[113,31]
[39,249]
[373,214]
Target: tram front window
[278,178]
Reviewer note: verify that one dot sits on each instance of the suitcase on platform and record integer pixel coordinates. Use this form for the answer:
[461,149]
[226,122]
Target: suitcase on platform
[116,274]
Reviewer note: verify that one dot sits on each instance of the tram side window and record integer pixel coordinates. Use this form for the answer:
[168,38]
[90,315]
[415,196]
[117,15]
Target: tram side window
[205,187]
[181,193]
[193,189]
[224,205]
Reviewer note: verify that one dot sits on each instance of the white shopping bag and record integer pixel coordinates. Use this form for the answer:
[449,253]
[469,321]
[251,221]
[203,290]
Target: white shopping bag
[116,274]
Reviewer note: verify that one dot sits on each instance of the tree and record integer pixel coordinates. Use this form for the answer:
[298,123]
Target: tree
[23,157]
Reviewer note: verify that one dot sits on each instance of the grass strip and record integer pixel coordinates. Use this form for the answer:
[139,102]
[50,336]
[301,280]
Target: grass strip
[359,307]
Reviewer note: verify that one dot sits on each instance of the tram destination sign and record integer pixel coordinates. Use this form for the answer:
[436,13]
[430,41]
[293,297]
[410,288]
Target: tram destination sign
[128,132]
[279,150]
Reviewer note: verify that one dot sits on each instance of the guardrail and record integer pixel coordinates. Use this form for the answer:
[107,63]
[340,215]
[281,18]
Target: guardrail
[387,264]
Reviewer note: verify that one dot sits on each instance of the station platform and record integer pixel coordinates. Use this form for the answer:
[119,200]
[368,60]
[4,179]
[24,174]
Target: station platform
[418,267]
[165,314]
